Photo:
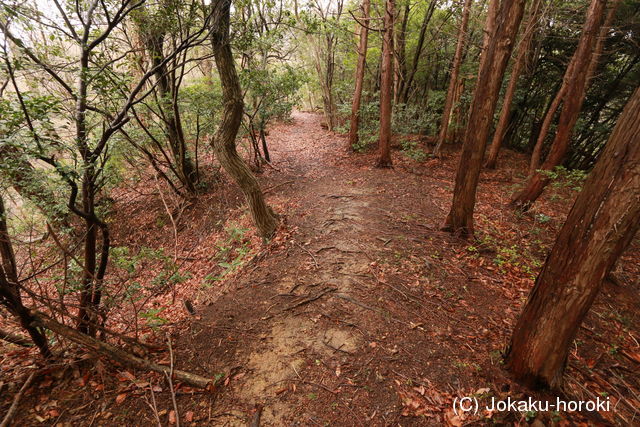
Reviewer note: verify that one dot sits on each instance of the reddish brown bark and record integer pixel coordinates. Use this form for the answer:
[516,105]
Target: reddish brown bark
[536,155]
[572,93]
[460,218]
[602,36]
[459,113]
[518,67]
[362,59]
[601,224]
[489,27]
[386,87]
[453,81]
[534,163]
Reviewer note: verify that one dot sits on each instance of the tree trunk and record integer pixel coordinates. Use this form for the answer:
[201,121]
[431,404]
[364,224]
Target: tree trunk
[7,256]
[401,56]
[518,67]
[575,82]
[263,139]
[418,52]
[386,87]
[602,36]
[601,224]
[459,112]
[224,142]
[10,288]
[489,28]
[536,154]
[170,112]
[360,68]
[460,218]
[453,80]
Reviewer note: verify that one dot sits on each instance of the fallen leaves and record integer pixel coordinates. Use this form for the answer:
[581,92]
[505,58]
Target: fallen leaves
[422,400]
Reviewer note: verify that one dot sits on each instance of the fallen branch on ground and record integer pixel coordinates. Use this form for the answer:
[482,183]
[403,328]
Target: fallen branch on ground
[118,354]
[310,299]
[16,400]
[15,338]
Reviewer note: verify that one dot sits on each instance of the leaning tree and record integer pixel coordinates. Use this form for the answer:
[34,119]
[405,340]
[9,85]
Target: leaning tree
[493,63]
[601,224]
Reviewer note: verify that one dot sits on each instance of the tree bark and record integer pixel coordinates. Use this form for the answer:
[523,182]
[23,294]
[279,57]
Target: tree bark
[386,87]
[360,68]
[459,112]
[453,80]
[536,154]
[495,58]
[593,65]
[573,92]
[601,224]
[224,142]
[489,28]
[518,67]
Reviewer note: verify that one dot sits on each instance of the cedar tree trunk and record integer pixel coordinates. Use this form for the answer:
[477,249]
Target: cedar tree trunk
[360,68]
[453,80]
[574,86]
[518,67]
[601,224]
[386,87]
[493,64]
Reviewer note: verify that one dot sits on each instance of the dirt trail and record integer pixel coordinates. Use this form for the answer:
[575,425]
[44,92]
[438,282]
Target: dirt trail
[333,327]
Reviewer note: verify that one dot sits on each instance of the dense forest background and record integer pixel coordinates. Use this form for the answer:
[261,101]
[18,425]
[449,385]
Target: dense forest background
[160,158]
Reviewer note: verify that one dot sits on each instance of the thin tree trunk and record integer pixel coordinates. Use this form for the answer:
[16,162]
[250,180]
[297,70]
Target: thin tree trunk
[171,113]
[265,148]
[602,36]
[536,155]
[10,288]
[418,52]
[491,73]
[575,82]
[459,112]
[401,56]
[224,142]
[386,87]
[453,80]
[601,224]
[518,67]
[360,68]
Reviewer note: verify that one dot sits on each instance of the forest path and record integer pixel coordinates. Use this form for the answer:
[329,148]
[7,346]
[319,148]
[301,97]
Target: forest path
[337,323]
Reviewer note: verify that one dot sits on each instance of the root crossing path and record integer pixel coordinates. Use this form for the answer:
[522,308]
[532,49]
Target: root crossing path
[361,316]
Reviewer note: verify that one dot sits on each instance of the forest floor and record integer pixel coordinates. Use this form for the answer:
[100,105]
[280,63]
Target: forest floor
[361,311]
